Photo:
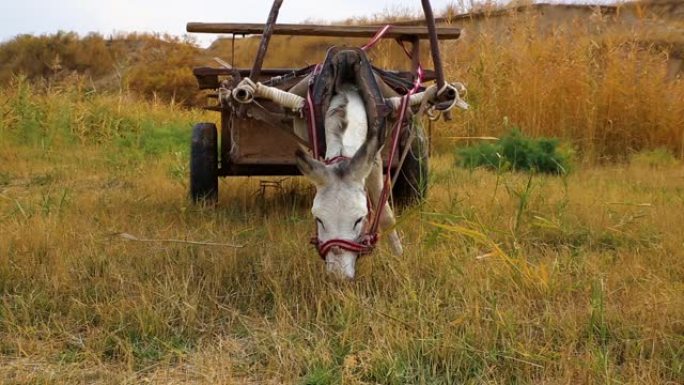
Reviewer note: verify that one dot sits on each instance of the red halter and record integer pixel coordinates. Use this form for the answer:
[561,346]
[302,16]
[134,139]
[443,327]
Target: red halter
[366,245]
[367,241]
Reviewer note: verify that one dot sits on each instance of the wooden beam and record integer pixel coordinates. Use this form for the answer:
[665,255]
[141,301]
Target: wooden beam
[263,46]
[396,32]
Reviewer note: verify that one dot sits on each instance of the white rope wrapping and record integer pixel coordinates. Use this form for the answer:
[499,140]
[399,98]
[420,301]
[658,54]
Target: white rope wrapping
[283,98]
[430,93]
[415,99]
[224,95]
[459,89]
[247,90]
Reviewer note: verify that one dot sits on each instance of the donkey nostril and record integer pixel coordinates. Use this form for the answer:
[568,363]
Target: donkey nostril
[336,250]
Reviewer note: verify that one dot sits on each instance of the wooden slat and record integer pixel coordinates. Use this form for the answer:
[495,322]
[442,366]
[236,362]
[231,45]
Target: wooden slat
[207,77]
[396,32]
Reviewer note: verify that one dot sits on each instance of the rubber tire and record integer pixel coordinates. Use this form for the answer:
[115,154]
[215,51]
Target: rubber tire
[412,183]
[204,163]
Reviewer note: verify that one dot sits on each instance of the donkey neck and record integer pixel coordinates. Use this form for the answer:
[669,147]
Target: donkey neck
[346,123]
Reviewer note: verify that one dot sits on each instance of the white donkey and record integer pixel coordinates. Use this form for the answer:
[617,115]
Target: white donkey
[344,188]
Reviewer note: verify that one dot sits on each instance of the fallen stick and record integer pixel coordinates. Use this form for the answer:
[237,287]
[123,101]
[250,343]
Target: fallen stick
[130,237]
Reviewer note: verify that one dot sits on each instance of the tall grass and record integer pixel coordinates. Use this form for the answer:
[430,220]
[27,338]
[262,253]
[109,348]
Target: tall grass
[606,91]
[597,81]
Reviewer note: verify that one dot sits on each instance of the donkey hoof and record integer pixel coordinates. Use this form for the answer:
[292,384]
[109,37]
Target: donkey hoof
[395,244]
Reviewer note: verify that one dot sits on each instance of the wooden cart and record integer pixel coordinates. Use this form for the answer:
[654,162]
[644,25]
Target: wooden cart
[258,140]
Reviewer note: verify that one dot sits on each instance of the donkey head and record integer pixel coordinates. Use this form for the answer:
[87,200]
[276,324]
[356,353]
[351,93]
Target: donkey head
[340,205]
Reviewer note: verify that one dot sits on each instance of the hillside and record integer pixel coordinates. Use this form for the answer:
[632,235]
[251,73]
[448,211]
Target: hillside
[151,65]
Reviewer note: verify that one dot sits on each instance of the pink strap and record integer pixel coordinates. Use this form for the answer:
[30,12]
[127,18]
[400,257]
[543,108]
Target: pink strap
[376,38]
[387,185]
[311,113]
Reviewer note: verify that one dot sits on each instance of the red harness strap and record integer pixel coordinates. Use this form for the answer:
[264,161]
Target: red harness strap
[367,242]
[366,245]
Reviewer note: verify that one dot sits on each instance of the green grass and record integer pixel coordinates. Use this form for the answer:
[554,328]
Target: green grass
[66,115]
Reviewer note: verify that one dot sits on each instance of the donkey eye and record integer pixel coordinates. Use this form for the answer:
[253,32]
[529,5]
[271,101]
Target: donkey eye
[320,222]
[358,221]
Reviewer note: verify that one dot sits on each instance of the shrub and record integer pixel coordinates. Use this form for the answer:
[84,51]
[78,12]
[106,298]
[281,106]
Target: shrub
[518,153]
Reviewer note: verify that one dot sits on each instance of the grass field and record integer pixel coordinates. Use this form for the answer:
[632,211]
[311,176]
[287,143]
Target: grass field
[506,278]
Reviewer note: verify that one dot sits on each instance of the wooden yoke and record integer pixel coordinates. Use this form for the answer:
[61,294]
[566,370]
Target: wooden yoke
[342,65]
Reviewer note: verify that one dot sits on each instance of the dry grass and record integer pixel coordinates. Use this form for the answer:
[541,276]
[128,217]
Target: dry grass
[505,279]
[606,91]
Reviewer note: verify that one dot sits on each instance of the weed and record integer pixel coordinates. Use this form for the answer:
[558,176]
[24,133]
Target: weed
[657,158]
[5,178]
[518,153]
[321,375]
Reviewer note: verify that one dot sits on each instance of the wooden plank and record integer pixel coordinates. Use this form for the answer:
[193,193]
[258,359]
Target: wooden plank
[396,32]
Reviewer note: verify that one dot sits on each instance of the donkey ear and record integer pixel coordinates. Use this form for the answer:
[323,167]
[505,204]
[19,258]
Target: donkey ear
[311,168]
[362,162]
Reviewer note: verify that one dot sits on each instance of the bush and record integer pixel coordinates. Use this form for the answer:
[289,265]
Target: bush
[518,153]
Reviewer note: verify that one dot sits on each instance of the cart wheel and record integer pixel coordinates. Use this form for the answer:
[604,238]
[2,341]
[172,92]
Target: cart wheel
[204,163]
[412,183]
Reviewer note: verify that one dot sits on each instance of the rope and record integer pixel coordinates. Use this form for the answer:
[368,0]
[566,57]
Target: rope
[459,89]
[430,93]
[224,95]
[370,237]
[247,90]
[415,99]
